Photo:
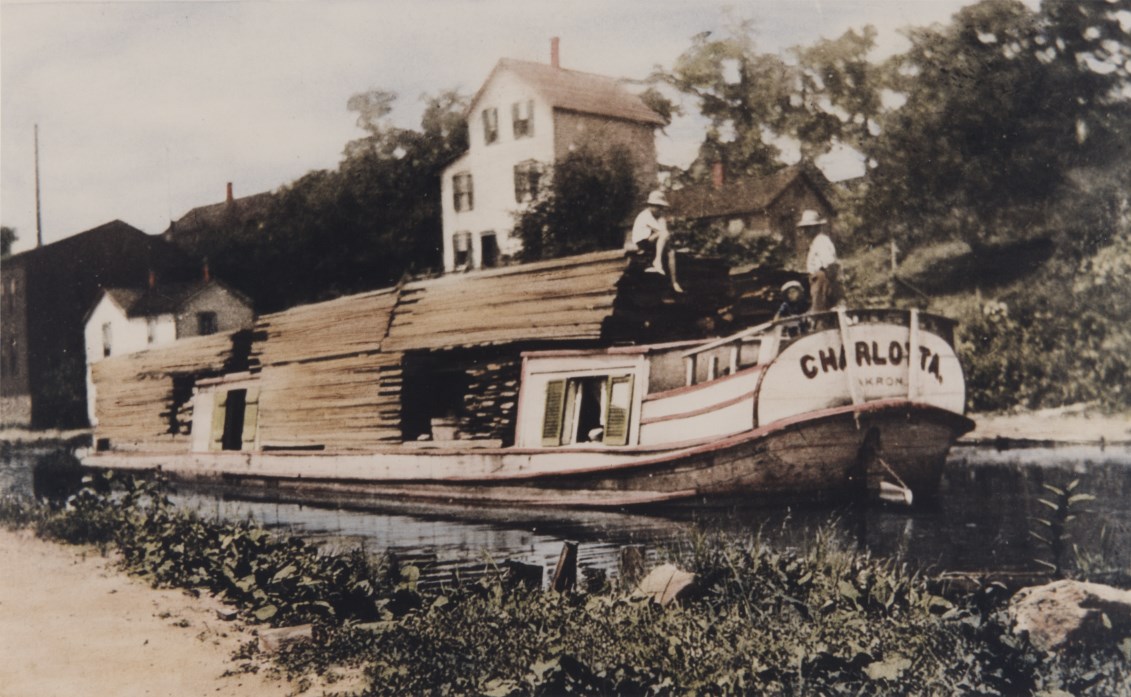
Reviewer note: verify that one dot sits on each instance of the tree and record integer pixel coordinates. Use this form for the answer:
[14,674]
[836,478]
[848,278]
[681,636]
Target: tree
[754,102]
[359,227]
[742,93]
[837,97]
[1001,105]
[585,207]
[8,237]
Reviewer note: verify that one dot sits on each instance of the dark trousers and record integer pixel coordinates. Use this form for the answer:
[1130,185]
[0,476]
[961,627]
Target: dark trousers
[825,289]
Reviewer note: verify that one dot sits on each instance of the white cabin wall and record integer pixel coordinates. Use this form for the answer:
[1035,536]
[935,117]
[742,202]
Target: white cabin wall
[539,372]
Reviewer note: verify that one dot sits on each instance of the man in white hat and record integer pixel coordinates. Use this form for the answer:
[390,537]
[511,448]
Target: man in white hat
[650,229]
[822,265]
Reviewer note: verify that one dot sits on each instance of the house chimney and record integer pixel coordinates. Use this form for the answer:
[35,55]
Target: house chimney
[152,279]
[718,175]
[205,273]
[230,197]
[555,52]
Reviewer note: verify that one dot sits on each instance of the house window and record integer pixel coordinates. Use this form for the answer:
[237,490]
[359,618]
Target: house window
[592,409]
[235,417]
[461,246]
[527,176]
[205,323]
[151,330]
[489,249]
[522,116]
[490,125]
[107,339]
[462,191]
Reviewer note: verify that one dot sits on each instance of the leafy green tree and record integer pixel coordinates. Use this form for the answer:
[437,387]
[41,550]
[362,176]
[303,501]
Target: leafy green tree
[589,201]
[829,93]
[742,93]
[1002,104]
[837,93]
[358,227]
[8,237]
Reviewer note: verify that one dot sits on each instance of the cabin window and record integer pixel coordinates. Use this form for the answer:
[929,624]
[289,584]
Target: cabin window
[592,409]
[107,339]
[527,177]
[463,193]
[522,116]
[461,250]
[490,125]
[489,254]
[205,323]
[151,330]
[235,417]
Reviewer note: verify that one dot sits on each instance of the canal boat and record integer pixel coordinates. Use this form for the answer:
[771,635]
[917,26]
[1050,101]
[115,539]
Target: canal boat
[822,406]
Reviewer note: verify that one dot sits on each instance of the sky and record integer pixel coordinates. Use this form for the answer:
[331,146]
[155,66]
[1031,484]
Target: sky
[147,109]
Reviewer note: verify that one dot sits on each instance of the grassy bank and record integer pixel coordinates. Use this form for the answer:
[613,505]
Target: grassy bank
[821,620]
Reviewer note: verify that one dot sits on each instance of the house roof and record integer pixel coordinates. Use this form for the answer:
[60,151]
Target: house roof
[576,91]
[164,299]
[743,195]
[239,210]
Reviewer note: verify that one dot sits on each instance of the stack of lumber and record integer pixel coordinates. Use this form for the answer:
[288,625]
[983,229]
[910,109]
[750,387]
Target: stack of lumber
[561,299]
[323,378]
[491,402]
[648,309]
[142,399]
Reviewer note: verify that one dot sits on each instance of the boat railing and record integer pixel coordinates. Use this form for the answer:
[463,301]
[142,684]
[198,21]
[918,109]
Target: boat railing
[771,337]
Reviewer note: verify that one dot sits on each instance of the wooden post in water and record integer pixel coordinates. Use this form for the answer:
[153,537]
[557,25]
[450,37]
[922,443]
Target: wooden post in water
[565,574]
[631,565]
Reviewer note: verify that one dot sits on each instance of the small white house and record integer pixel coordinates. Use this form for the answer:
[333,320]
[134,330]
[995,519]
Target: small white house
[524,118]
[127,320]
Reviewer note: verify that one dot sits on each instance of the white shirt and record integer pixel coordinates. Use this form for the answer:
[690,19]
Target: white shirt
[646,224]
[822,253]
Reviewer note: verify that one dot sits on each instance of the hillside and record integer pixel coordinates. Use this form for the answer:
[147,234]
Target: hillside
[1041,326]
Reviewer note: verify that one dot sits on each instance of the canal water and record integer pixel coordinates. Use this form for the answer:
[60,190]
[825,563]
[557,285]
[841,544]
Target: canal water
[988,504]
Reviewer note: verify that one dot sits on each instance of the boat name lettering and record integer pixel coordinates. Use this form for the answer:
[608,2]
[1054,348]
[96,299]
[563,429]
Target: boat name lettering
[869,354]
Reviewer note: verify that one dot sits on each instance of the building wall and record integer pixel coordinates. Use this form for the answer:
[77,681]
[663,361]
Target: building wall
[64,280]
[574,131]
[127,335]
[786,212]
[492,168]
[232,313]
[15,390]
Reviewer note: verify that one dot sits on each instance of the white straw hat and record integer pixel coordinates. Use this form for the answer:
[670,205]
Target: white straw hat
[656,198]
[810,218]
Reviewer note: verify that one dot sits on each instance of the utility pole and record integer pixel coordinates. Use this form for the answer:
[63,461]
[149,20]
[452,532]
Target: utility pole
[38,216]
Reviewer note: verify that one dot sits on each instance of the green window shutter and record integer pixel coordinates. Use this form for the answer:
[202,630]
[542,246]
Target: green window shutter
[552,421]
[250,417]
[219,410]
[619,409]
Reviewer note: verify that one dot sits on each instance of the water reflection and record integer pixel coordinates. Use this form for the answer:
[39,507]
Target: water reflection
[980,521]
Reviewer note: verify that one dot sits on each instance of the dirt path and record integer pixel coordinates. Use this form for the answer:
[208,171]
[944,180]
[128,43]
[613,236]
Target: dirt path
[71,624]
[1074,424]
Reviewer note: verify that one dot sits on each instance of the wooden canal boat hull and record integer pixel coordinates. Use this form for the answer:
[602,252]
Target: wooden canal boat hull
[834,453]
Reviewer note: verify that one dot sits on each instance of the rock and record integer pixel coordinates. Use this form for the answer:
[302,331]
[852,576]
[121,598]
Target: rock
[665,583]
[274,640]
[1058,614]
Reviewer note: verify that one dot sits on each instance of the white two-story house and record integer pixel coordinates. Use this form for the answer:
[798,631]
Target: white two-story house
[524,118]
